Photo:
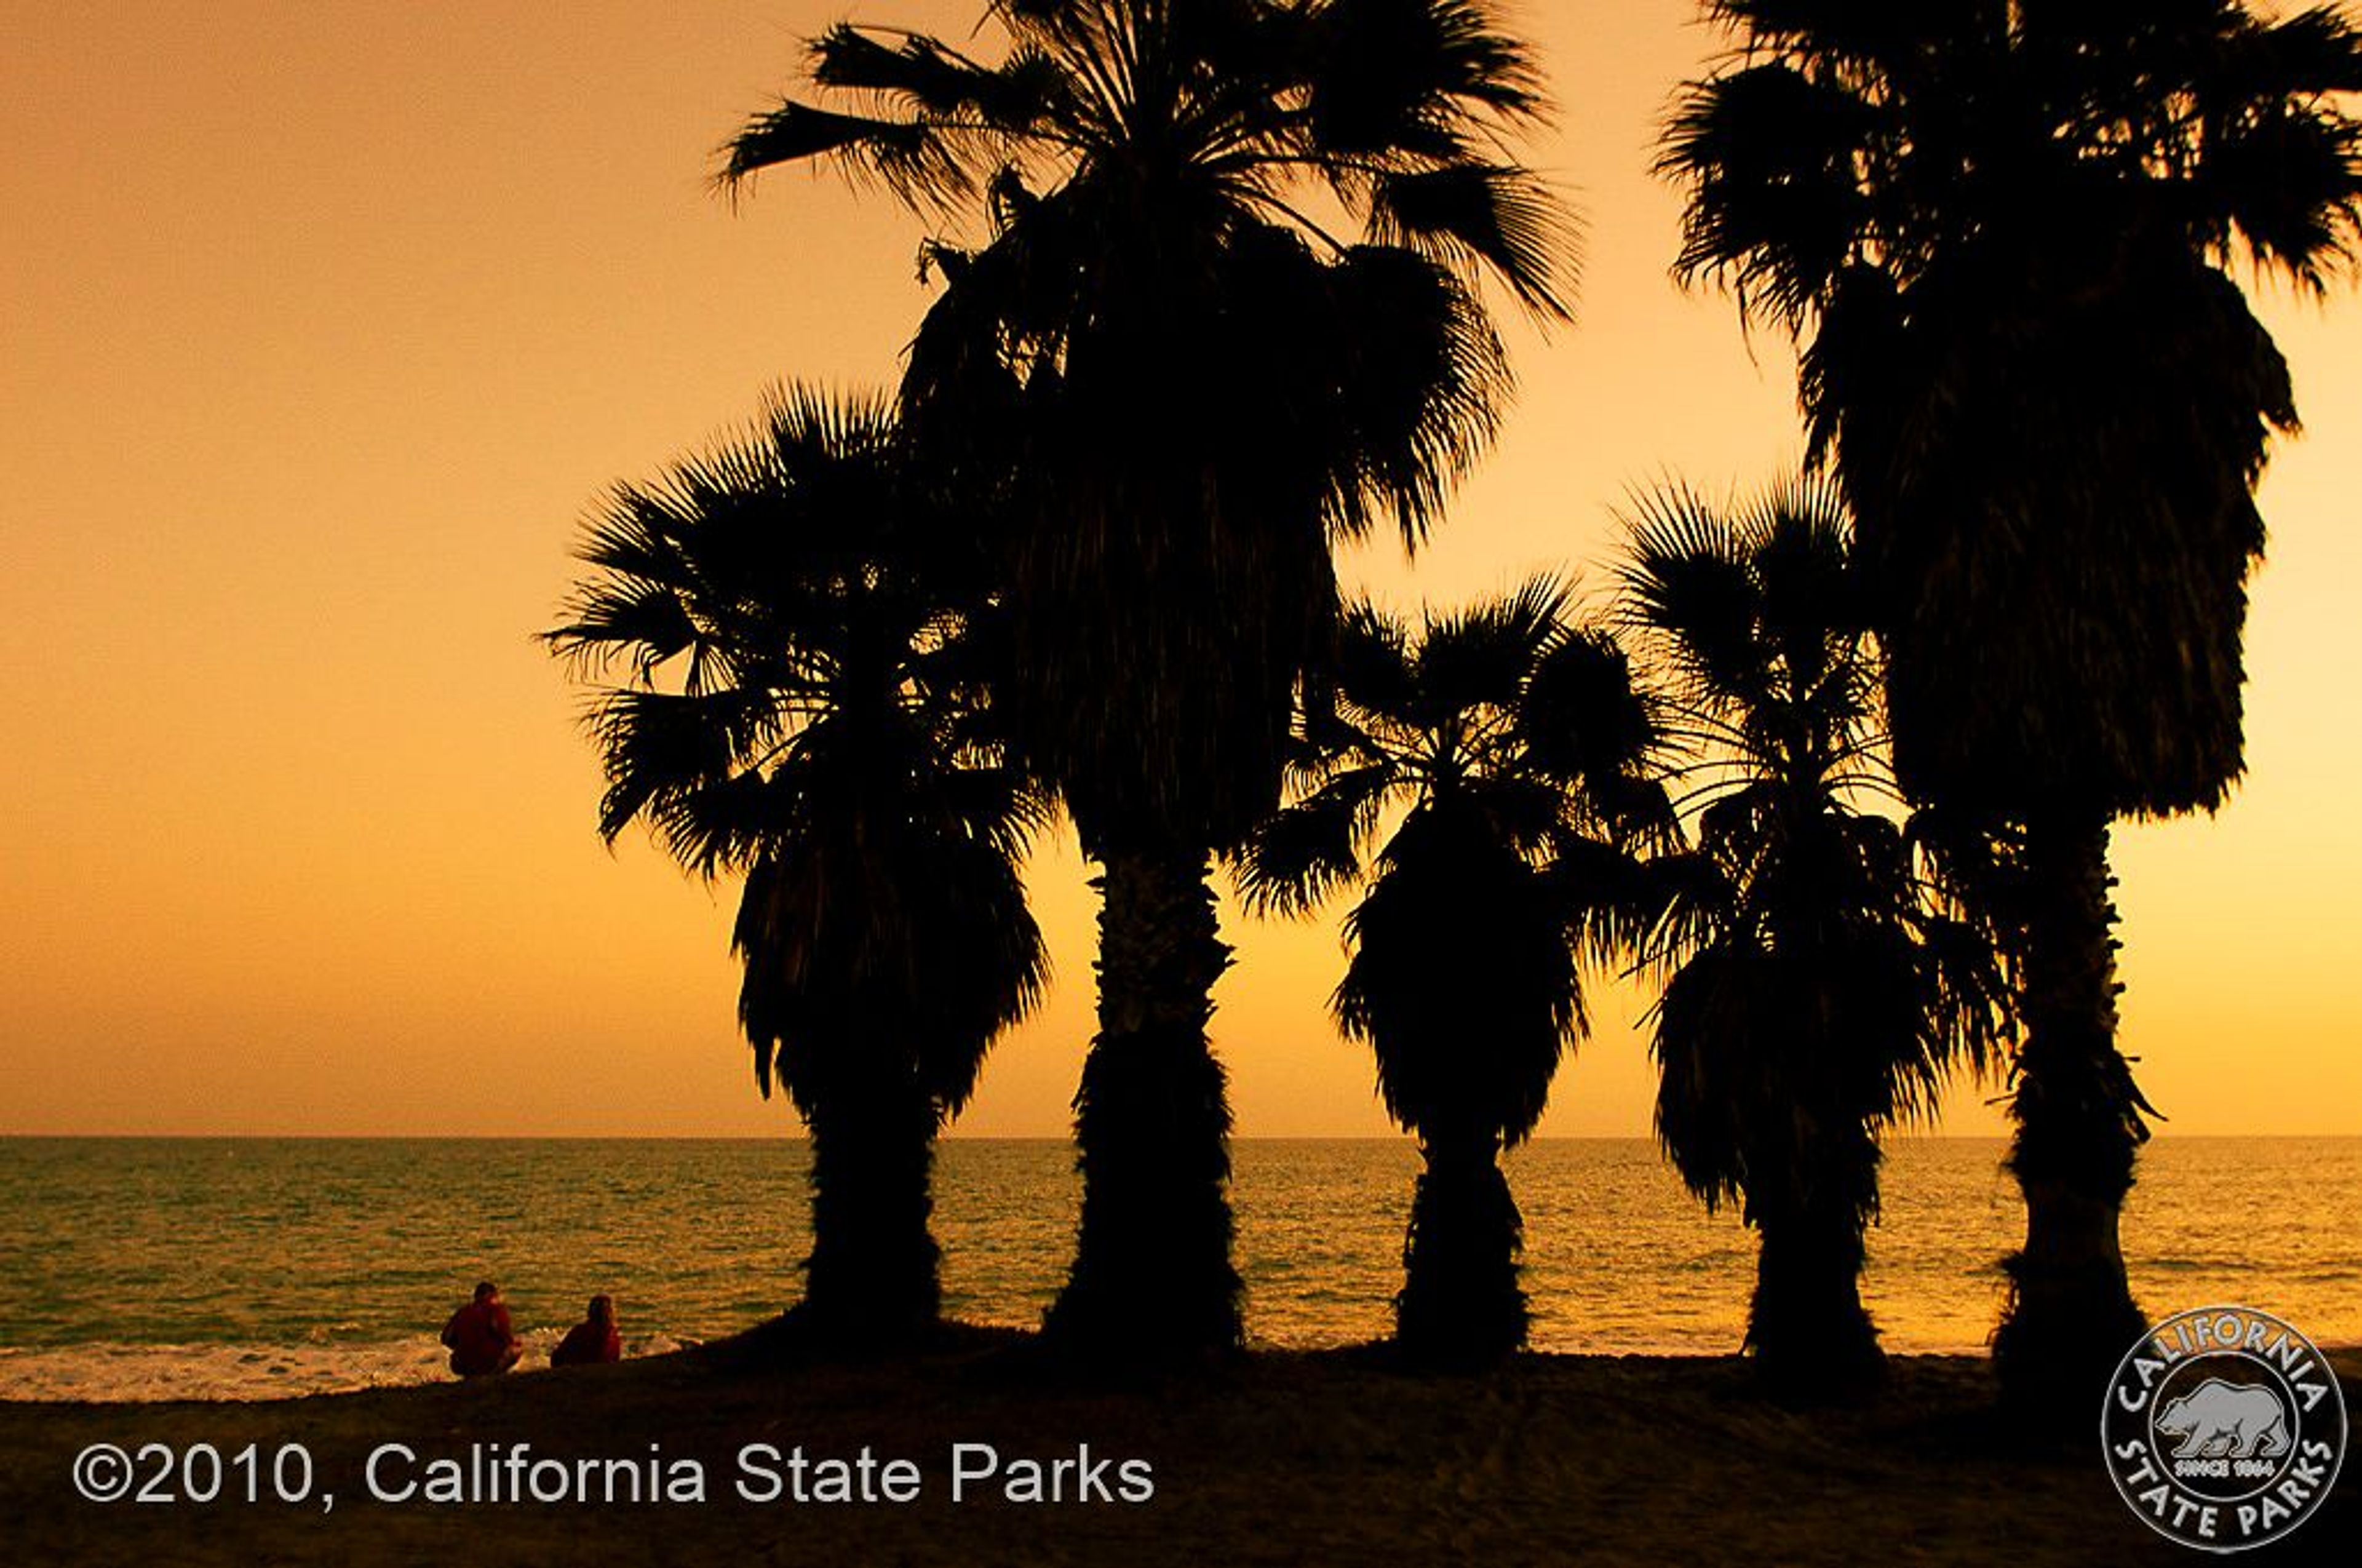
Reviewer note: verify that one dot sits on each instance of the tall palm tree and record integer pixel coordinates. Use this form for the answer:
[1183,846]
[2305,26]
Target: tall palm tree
[1816,997]
[1521,754]
[2000,231]
[803,706]
[1191,385]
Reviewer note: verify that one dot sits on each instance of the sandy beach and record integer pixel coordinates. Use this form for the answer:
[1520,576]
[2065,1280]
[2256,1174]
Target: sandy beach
[1274,1458]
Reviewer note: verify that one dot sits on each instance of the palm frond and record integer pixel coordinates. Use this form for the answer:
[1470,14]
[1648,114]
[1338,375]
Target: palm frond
[1417,377]
[644,622]
[1499,216]
[1686,577]
[1388,75]
[660,745]
[1481,658]
[2290,183]
[909,157]
[1769,154]
[1373,665]
[1303,853]
[1584,717]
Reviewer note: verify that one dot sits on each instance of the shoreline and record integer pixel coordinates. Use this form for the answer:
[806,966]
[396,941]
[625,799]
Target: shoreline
[325,1369]
[1267,1457]
[1064,1136]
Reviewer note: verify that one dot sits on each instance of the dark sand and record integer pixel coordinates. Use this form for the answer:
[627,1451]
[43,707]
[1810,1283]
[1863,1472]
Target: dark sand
[1275,1459]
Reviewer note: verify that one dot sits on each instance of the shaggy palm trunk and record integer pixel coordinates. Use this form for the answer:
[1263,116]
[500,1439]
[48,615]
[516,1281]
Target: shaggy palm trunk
[2070,1314]
[1153,1276]
[872,1274]
[1461,1303]
[1813,1340]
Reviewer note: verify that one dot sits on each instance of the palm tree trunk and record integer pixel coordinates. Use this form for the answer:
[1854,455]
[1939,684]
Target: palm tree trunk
[1814,1342]
[1152,1275]
[1461,1303]
[2070,1315]
[872,1274]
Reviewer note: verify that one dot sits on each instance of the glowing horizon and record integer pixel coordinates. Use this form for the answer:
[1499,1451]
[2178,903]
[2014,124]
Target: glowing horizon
[323,343]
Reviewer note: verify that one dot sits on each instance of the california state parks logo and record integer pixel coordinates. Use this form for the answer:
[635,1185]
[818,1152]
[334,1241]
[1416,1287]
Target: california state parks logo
[2224,1428]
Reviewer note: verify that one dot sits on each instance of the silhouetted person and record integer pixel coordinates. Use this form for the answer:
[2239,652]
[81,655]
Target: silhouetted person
[593,1341]
[481,1340]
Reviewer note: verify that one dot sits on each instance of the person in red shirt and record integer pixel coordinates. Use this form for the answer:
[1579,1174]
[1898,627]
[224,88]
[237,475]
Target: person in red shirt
[593,1341]
[481,1340]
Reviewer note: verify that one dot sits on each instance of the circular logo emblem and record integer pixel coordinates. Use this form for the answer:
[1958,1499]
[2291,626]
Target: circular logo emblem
[2224,1429]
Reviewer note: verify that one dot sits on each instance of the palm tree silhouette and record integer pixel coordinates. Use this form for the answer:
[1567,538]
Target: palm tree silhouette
[805,706]
[1999,231]
[1521,752]
[1190,389]
[1815,996]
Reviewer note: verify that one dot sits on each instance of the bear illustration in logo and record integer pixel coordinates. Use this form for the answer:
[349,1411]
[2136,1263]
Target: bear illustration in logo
[2226,1420]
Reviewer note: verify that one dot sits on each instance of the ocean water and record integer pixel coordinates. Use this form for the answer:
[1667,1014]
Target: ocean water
[238,1268]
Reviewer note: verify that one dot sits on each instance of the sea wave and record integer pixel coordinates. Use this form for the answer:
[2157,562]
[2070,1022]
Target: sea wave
[205,1269]
[112,1373]
[137,1374]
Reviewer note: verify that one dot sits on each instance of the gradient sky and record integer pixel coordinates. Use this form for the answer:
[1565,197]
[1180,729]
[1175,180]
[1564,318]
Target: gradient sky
[323,325]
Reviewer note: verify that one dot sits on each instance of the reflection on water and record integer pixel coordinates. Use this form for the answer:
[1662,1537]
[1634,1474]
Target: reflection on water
[275,1266]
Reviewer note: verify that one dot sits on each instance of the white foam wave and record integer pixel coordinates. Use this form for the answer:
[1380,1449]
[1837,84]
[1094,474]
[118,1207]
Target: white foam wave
[127,1373]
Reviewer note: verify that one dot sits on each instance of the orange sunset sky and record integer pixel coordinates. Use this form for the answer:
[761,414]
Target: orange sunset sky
[326,323]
